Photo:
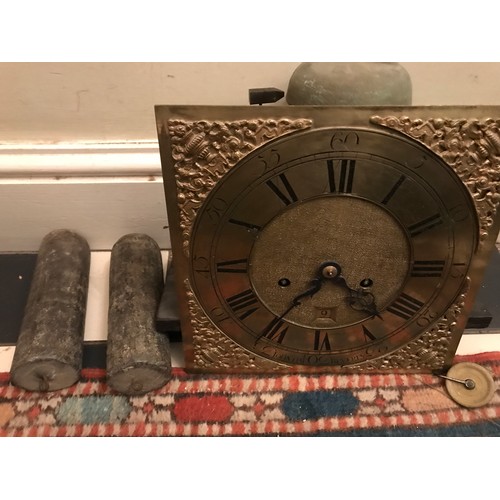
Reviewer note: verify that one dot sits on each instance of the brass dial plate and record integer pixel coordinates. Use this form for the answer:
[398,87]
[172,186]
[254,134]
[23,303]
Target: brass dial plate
[201,146]
[267,223]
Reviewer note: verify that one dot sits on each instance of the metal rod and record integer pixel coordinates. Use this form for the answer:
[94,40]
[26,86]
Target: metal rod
[469,383]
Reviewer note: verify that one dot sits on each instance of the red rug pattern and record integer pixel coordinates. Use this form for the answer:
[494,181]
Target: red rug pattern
[274,405]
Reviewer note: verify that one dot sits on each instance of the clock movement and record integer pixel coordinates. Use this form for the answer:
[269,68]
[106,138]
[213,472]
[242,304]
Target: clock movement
[326,238]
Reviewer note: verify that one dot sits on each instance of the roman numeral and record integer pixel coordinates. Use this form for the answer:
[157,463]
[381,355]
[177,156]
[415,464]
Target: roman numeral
[232,266]
[393,190]
[275,330]
[405,306]
[427,268]
[347,169]
[321,341]
[346,175]
[331,176]
[369,337]
[243,303]
[248,225]
[425,225]
[287,198]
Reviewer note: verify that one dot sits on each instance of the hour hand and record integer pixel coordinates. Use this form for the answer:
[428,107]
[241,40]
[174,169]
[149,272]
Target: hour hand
[296,301]
[313,289]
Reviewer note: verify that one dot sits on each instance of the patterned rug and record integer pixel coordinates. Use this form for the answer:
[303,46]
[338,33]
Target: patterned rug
[292,405]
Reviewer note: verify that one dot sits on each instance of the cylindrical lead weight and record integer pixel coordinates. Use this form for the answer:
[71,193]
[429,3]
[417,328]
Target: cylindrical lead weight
[48,354]
[138,357]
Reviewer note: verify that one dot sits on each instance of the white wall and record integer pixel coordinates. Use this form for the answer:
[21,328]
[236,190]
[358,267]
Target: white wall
[53,102]
[114,101]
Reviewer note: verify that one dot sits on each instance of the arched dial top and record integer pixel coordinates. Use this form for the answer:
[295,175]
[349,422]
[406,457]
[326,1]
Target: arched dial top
[332,246]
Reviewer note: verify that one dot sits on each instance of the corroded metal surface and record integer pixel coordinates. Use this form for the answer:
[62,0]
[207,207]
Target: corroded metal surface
[48,353]
[347,84]
[138,357]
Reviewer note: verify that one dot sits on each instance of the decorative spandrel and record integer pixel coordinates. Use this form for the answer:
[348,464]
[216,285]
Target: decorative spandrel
[471,147]
[213,350]
[429,351]
[204,151]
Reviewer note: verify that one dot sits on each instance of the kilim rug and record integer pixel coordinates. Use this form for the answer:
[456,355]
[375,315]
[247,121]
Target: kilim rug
[292,405]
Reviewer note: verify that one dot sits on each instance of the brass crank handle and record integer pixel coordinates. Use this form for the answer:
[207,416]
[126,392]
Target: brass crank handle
[468,382]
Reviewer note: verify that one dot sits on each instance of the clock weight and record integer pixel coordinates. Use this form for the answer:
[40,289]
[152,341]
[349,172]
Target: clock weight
[49,350]
[138,357]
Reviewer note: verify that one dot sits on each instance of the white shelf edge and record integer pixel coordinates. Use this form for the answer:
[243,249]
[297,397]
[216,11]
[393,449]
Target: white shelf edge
[87,159]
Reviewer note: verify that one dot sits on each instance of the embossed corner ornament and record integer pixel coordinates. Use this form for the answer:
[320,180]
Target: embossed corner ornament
[471,147]
[204,151]
[429,350]
[212,350]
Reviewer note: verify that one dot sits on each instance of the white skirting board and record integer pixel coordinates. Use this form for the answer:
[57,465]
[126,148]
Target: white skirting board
[101,191]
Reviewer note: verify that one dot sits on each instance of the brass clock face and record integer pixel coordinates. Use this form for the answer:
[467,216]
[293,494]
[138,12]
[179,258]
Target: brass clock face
[328,239]
[332,247]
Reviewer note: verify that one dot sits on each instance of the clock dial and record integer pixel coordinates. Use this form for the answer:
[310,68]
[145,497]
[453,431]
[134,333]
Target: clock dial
[348,247]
